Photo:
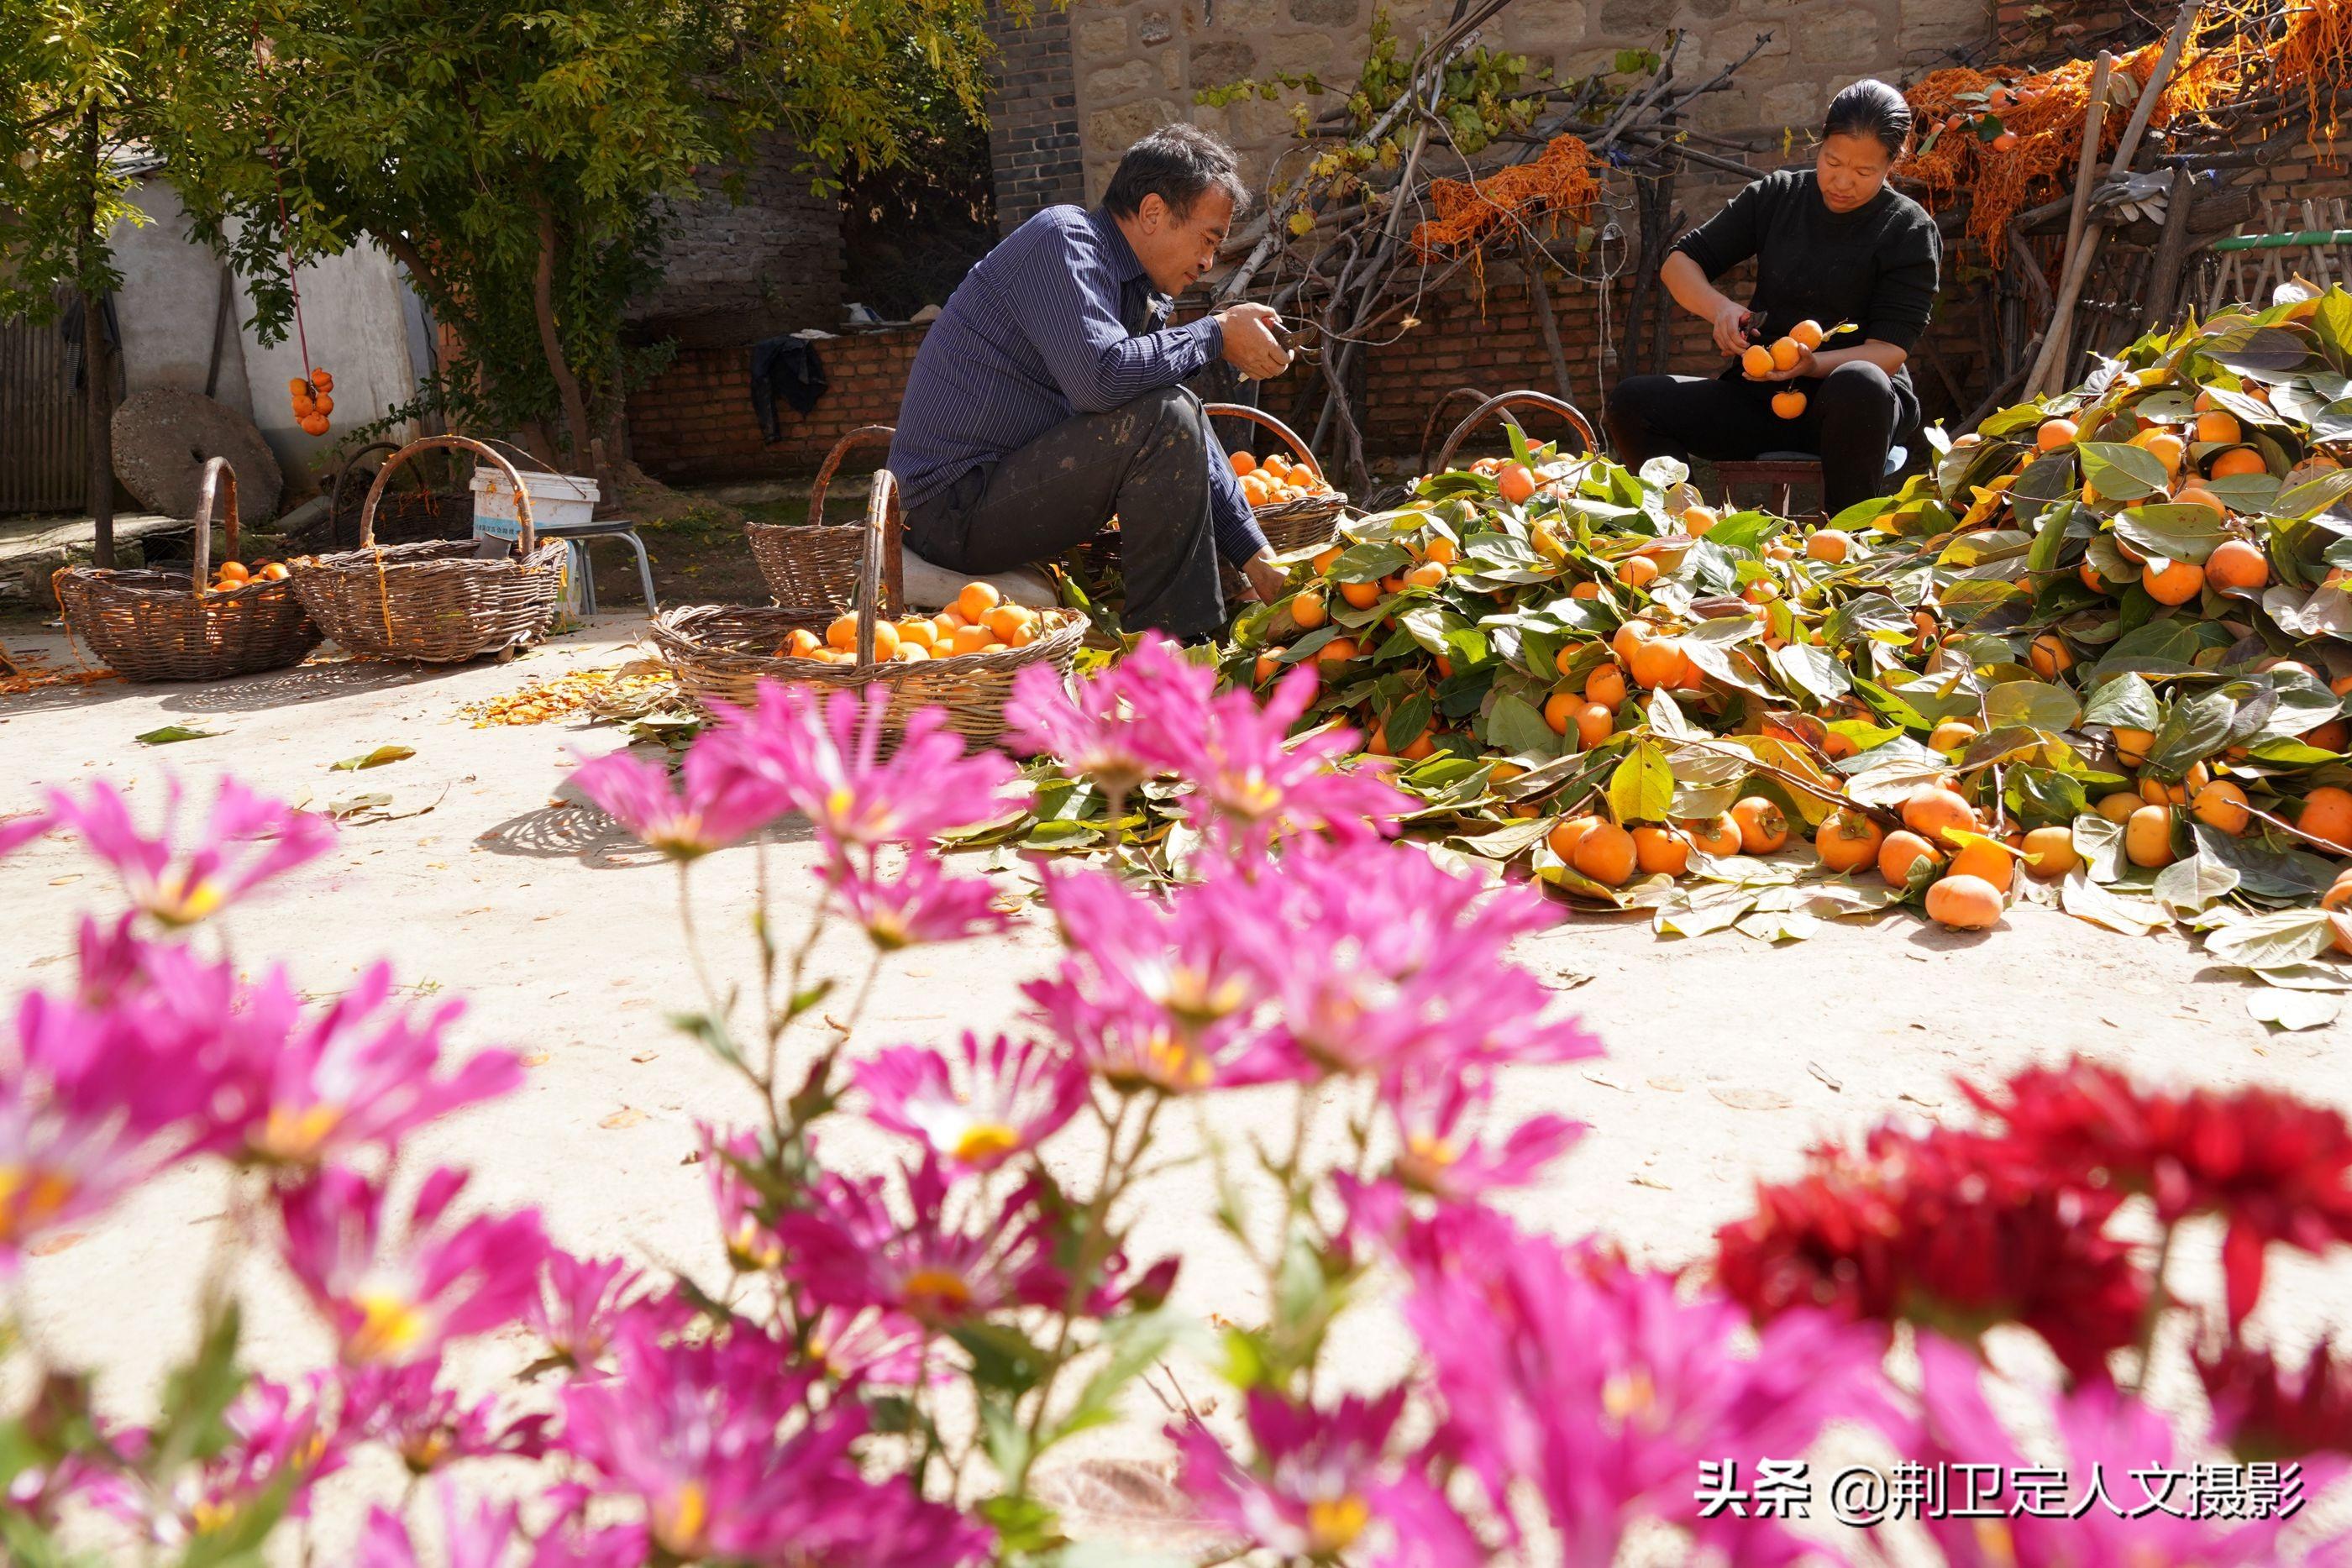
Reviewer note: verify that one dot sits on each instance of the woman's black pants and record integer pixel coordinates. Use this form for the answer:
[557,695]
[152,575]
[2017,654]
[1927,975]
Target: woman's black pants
[1851,416]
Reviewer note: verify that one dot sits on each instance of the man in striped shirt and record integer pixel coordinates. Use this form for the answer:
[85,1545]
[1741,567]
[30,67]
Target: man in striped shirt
[1045,398]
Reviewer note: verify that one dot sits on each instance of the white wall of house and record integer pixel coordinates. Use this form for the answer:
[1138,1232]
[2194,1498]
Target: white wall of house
[357,308]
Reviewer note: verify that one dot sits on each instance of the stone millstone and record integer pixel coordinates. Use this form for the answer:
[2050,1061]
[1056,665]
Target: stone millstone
[163,439]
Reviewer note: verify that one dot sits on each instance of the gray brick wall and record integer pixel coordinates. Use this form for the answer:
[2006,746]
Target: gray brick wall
[1033,116]
[736,274]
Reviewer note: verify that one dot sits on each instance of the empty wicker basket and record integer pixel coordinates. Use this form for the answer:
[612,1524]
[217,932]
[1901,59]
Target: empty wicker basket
[722,652]
[162,626]
[437,602]
[816,562]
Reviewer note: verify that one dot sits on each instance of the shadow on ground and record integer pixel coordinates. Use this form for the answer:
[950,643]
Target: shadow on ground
[302,684]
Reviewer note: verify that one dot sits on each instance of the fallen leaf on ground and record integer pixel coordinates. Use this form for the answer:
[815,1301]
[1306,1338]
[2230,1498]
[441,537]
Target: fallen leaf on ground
[626,1116]
[1608,1082]
[1818,1071]
[1741,1099]
[172,732]
[644,1056]
[536,1059]
[376,759]
[2292,1010]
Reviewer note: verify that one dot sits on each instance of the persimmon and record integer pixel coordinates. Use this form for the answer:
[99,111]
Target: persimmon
[1964,903]
[885,640]
[1900,852]
[1338,651]
[1243,463]
[1829,545]
[1717,835]
[1585,590]
[1560,711]
[2050,656]
[2222,805]
[2339,895]
[1952,734]
[2328,736]
[1986,859]
[842,632]
[1637,571]
[2164,447]
[1696,519]
[313,424]
[2327,814]
[1568,832]
[1306,609]
[2119,806]
[1937,811]
[1006,620]
[2050,854]
[2173,582]
[1361,595]
[1661,849]
[1807,334]
[1442,550]
[1763,826]
[1594,724]
[1848,840]
[977,600]
[2147,837]
[1428,574]
[2235,564]
[2054,433]
[1786,353]
[2131,745]
[1789,404]
[2236,462]
[971,640]
[1516,481]
[1324,559]
[799,644]
[1628,636]
[1606,854]
[1757,363]
[1605,686]
[2198,496]
[2219,427]
[1659,663]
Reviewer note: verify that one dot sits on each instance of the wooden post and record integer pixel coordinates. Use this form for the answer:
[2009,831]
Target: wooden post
[97,368]
[2171,251]
[1539,295]
[2062,312]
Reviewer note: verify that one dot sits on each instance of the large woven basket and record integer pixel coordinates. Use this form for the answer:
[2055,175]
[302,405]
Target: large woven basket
[163,626]
[719,653]
[816,562]
[438,601]
[1287,525]
[1502,403]
[404,516]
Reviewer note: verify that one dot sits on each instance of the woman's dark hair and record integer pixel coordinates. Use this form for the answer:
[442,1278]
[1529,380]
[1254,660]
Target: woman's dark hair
[1177,163]
[1870,107]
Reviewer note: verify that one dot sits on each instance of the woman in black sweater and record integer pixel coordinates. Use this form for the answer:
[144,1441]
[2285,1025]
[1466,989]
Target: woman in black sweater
[1833,246]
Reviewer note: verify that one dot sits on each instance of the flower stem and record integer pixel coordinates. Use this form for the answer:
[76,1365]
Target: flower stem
[2158,1299]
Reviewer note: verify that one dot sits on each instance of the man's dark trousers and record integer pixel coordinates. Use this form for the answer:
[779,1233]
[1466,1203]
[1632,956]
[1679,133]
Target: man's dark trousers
[1146,462]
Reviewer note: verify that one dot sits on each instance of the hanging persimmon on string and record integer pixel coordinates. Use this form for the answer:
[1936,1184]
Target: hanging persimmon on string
[312,396]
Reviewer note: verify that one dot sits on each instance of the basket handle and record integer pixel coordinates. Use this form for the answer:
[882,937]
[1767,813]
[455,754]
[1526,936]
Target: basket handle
[523,546]
[864,436]
[335,500]
[1260,417]
[1437,410]
[1502,402]
[216,470]
[879,563]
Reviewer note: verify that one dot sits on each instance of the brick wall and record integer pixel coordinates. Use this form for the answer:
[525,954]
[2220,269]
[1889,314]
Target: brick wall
[1032,124]
[732,274]
[693,424]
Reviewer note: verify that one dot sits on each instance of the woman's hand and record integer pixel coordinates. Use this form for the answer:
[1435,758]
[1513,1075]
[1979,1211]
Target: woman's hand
[1806,365]
[1732,328]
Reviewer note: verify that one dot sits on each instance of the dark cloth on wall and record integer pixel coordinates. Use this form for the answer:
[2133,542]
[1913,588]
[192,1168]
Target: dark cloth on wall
[785,368]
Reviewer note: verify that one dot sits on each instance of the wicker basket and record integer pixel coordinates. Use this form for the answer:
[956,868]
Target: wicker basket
[1287,526]
[162,626]
[436,603]
[403,518]
[815,562]
[722,652]
[1502,403]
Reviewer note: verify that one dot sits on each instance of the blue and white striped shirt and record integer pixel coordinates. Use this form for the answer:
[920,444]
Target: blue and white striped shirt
[1048,324]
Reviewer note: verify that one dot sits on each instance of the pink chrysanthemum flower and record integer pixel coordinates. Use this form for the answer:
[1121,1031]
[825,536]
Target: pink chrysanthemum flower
[359,1074]
[278,1438]
[874,1348]
[24,828]
[478,1537]
[1252,784]
[1163,992]
[941,1268]
[979,1107]
[394,1299]
[1441,1149]
[246,841]
[716,1440]
[827,761]
[753,1246]
[583,1301]
[406,1409]
[1321,1488]
[1389,963]
[711,805]
[921,903]
[1140,718]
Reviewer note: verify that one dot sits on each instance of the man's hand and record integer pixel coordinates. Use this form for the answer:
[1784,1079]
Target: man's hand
[1731,319]
[1267,581]
[1249,345]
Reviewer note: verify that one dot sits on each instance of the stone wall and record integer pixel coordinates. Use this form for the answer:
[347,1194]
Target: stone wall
[734,274]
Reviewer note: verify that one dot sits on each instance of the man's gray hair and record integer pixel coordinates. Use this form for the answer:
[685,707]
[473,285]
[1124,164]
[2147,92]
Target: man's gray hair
[1177,163]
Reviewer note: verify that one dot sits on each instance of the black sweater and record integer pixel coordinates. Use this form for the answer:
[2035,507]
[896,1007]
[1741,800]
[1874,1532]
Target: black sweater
[1874,266]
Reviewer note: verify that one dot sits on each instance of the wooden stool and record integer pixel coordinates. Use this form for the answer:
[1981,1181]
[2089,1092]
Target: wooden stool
[1790,469]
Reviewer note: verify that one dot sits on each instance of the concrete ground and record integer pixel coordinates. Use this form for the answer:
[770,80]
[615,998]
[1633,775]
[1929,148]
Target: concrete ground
[1726,1059]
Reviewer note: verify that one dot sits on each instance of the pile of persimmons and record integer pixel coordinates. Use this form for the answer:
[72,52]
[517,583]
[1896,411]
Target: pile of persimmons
[2097,650]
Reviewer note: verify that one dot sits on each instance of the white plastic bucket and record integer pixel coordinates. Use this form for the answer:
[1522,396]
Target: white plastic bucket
[556,500]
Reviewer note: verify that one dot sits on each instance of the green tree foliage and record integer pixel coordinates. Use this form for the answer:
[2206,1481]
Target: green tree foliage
[518,161]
